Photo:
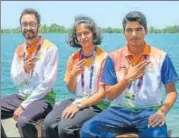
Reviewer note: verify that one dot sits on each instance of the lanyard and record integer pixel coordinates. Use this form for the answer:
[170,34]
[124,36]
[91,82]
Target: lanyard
[91,71]
[34,55]
[139,84]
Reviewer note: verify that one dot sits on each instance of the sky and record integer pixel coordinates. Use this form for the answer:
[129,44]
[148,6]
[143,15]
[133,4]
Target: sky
[159,14]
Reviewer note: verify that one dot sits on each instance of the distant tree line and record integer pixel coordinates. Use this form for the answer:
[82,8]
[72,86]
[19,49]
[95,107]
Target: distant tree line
[55,28]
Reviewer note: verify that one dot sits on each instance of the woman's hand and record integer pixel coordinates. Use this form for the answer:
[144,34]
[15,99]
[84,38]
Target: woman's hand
[78,67]
[70,111]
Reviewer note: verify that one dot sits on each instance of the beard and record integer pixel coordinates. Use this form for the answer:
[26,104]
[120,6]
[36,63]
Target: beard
[30,34]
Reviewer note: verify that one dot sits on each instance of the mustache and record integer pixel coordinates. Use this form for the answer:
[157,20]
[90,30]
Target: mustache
[134,38]
[26,31]
[27,36]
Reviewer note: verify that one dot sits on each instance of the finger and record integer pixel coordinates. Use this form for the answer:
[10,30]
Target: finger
[131,65]
[149,121]
[30,67]
[67,115]
[80,68]
[69,67]
[154,120]
[151,118]
[31,64]
[81,63]
[140,75]
[141,70]
[146,63]
[34,59]
[142,64]
[63,114]
[15,117]
[72,115]
[163,122]
[158,122]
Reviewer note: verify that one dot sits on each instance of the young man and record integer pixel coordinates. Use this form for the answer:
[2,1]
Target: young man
[34,71]
[132,78]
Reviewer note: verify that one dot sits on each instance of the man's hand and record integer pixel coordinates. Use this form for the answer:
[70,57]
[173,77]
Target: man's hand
[157,119]
[30,64]
[18,113]
[137,71]
[70,111]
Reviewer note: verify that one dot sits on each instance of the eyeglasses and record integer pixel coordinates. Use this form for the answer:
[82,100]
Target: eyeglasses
[137,30]
[30,24]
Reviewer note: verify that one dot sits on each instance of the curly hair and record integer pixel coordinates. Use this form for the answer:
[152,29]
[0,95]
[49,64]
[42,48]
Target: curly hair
[97,36]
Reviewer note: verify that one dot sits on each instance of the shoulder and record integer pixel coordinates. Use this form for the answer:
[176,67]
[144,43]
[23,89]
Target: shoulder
[20,50]
[101,53]
[157,54]
[75,56]
[118,54]
[157,51]
[20,47]
[47,44]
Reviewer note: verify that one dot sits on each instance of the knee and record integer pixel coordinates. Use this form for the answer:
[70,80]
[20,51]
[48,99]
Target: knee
[155,132]
[62,131]
[160,132]
[48,123]
[86,129]
[23,122]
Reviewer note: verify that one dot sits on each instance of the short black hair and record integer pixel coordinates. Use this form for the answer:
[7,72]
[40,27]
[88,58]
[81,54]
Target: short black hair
[135,16]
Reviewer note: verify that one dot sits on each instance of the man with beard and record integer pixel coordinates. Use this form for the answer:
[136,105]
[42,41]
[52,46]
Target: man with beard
[34,71]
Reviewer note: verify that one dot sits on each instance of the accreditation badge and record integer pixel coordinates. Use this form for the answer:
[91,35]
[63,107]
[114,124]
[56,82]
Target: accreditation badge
[129,99]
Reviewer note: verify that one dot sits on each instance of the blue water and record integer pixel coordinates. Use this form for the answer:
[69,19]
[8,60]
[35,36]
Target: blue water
[167,42]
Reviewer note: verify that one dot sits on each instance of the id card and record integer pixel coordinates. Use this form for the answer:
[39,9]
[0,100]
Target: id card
[129,99]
